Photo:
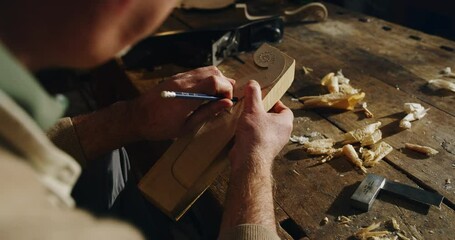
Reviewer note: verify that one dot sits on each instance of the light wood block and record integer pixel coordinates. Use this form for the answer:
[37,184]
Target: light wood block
[193,161]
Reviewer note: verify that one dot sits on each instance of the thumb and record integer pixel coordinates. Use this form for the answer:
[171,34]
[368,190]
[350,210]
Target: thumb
[253,97]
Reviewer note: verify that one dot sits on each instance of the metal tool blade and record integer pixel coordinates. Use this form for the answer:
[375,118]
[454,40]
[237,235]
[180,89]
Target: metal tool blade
[413,193]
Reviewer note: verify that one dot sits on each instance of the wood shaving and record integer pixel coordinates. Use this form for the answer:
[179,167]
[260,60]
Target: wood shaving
[447,72]
[307,70]
[299,139]
[402,236]
[394,224]
[367,233]
[366,135]
[325,221]
[437,84]
[415,111]
[341,78]
[342,94]
[353,157]
[343,220]
[331,82]
[334,100]
[320,143]
[368,113]
[378,152]
[367,154]
[421,149]
[323,151]
[415,233]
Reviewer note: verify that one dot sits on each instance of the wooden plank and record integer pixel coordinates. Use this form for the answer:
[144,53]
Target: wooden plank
[308,192]
[435,130]
[189,166]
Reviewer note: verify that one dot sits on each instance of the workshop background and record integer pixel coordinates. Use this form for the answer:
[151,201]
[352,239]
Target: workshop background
[433,17]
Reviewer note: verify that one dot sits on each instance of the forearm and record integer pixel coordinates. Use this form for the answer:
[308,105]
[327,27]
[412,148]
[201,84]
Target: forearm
[249,197]
[104,130]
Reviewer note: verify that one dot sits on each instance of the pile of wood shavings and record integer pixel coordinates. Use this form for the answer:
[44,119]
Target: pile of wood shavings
[393,232]
[372,150]
[341,94]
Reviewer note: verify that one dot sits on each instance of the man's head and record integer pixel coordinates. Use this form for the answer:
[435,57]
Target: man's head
[76,33]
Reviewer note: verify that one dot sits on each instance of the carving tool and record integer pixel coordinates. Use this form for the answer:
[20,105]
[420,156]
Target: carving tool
[369,188]
[195,96]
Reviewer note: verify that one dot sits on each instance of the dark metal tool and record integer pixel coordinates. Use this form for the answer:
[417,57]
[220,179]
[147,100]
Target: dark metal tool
[369,188]
[204,47]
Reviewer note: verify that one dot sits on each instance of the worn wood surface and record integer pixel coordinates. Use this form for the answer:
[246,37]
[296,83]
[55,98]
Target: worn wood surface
[391,64]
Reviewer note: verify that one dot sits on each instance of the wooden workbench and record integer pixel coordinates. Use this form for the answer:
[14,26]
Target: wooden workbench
[391,64]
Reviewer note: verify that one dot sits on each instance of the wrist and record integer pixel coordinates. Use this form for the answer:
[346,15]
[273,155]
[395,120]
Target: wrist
[250,163]
[105,130]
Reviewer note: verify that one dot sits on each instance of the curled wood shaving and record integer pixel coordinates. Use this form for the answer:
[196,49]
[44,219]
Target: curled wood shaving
[343,220]
[415,111]
[341,78]
[367,154]
[331,82]
[366,135]
[320,143]
[437,84]
[353,157]
[342,94]
[394,224]
[422,149]
[299,139]
[334,100]
[323,151]
[447,72]
[378,152]
[368,113]
[367,233]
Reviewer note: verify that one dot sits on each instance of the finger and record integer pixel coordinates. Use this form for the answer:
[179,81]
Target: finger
[216,85]
[199,73]
[205,72]
[279,107]
[232,81]
[253,97]
[283,111]
[206,111]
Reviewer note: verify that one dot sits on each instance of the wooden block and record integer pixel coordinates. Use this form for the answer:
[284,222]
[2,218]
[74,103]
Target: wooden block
[193,161]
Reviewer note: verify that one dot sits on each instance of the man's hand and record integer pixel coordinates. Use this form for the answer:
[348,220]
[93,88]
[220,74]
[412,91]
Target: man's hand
[259,134]
[152,117]
[259,137]
[160,118]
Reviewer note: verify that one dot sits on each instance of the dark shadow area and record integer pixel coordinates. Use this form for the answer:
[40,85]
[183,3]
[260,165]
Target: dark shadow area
[342,165]
[309,90]
[440,92]
[296,155]
[392,128]
[293,229]
[360,115]
[435,17]
[341,206]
